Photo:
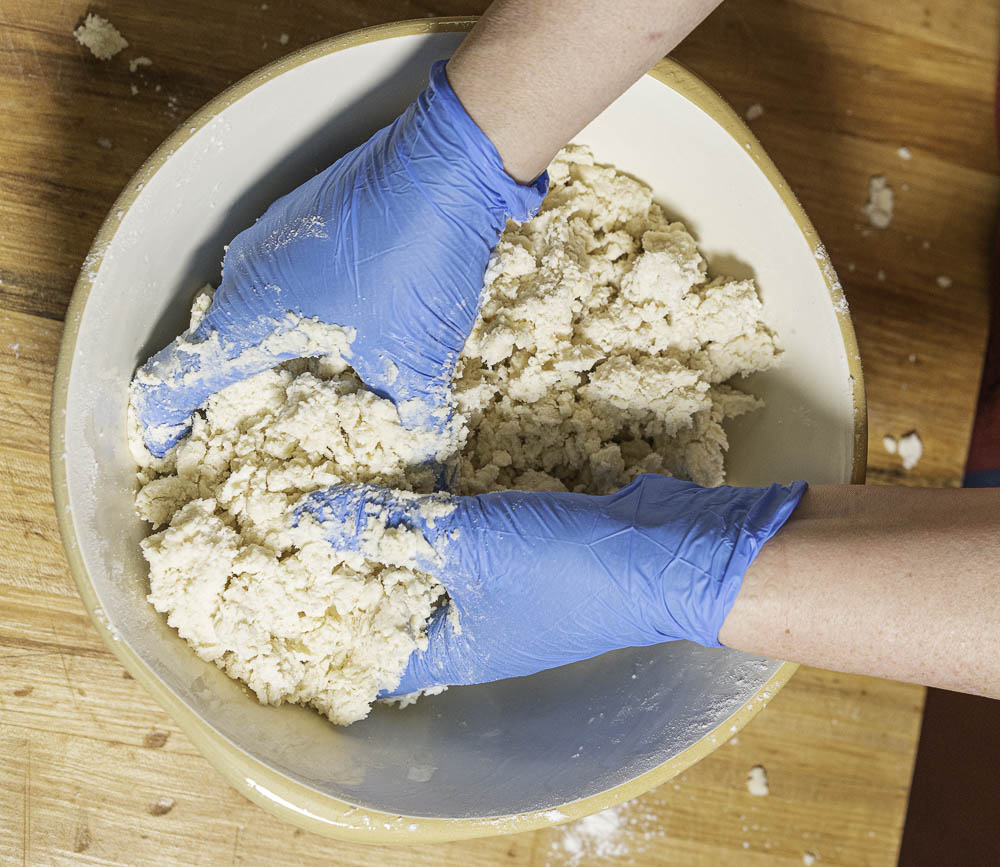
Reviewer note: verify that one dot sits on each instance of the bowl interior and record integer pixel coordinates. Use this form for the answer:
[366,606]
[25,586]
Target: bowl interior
[499,749]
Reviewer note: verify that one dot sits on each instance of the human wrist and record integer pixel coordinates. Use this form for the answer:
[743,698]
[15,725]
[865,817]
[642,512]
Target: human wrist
[751,516]
[461,138]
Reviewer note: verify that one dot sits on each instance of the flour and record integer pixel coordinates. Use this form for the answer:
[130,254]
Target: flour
[597,836]
[602,351]
[100,36]
[630,829]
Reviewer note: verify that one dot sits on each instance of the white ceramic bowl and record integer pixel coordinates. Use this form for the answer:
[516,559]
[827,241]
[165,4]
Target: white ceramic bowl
[503,757]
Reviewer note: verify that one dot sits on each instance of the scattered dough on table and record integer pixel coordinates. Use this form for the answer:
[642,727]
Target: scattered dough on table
[757,781]
[754,111]
[880,203]
[911,449]
[100,36]
[603,350]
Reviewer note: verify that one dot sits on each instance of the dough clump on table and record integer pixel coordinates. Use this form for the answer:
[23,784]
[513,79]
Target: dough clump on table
[757,781]
[100,36]
[602,351]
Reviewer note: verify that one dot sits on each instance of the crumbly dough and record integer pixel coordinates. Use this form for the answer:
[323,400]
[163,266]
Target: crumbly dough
[100,36]
[601,352]
[757,781]
[879,207]
[911,449]
[602,348]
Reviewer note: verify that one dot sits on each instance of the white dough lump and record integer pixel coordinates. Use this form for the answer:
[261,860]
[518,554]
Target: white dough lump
[602,346]
[602,351]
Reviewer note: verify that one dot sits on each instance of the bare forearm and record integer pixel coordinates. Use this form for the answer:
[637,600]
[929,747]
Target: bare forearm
[895,582]
[532,74]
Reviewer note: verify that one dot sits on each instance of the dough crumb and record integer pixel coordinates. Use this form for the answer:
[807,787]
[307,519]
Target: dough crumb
[808,859]
[880,276]
[889,444]
[134,64]
[105,143]
[754,111]
[161,807]
[911,449]
[905,153]
[944,281]
[757,781]
[283,39]
[879,207]
[100,36]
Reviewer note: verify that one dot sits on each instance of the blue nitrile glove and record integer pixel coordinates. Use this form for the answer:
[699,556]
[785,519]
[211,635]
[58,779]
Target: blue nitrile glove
[391,242]
[543,579]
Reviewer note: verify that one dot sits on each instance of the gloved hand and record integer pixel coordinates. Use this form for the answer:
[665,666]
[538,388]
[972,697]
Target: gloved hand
[543,579]
[391,243]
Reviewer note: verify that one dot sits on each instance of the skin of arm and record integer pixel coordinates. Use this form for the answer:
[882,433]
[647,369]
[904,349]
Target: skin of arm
[533,74]
[895,582]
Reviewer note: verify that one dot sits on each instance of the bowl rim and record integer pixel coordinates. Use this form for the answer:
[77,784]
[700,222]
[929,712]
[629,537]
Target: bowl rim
[269,789]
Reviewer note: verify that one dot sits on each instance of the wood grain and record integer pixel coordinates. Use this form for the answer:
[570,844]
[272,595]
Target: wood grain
[91,771]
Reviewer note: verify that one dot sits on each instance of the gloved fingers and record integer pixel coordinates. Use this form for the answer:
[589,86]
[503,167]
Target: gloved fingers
[446,661]
[176,381]
[361,518]
[345,510]
[417,382]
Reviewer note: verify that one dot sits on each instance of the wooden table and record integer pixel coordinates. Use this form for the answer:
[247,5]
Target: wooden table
[91,770]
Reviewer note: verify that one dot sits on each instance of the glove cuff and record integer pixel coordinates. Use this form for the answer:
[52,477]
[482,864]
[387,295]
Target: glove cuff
[519,201]
[766,511]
